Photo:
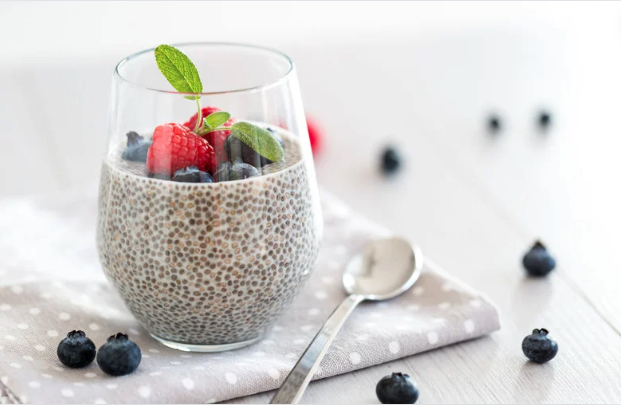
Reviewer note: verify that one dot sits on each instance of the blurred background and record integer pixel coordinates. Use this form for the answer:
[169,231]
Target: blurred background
[423,76]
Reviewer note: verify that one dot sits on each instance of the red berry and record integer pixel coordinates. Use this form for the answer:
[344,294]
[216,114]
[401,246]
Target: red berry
[205,112]
[216,138]
[176,147]
[315,134]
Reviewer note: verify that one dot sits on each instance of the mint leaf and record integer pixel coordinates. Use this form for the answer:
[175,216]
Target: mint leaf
[259,139]
[178,70]
[214,120]
[206,125]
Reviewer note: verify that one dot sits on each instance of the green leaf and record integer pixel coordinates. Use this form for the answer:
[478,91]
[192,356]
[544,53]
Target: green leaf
[179,70]
[214,120]
[259,139]
[206,125]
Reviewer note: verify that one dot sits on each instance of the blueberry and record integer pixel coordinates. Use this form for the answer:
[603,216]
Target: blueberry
[494,125]
[396,389]
[391,161]
[76,350]
[544,120]
[236,171]
[538,347]
[191,174]
[537,261]
[119,355]
[137,147]
[235,148]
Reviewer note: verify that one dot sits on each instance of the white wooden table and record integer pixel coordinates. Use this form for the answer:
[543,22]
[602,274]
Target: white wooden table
[473,202]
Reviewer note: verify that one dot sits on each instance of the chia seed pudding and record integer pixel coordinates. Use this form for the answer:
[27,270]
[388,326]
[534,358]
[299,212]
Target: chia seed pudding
[209,263]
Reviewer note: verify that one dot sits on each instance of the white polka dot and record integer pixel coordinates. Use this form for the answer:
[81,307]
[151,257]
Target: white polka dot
[299,341]
[273,373]
[188,383]
[34,311]
[333,265]
[66,392]
[340,249]
[111,386]
[362,338]
[63,316]
[15,365]
[375,315]
[46,296]
[439,320]
[432,337]
[185,356]
[394,347]
[34,384]
[291,356]
[354,358]
[22,326]
[277,328]
[444,305]
[327,280]
[5,307]
[403,327]
[94,326]
[90,375]
[27,358]
[134,331]
[469,326]
[100,401]
[52,333]
[59,369]
[307,328]
[268,342]
[231,378]
[4,380]
[39,348]
[175,363]
[155,373]
[314,312]
[17,289]
[9,337]
[198,368]
[476,303]
[78,384]
[418,291]
[258,354]
[144,392]
[369,325]
[447,287]
[154,351]
[321,295]
[46,376]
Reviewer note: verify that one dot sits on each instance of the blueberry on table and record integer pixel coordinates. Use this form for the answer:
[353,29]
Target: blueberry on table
[396,389]
[391,161]
[494,125]
[537,261]
[119,355]
[236,171]
[76,350]
[191,174]
[544,120]
[538,347]
[137,148]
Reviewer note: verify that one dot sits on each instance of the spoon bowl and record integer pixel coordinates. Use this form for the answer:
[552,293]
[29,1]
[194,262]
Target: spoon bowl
[385,269]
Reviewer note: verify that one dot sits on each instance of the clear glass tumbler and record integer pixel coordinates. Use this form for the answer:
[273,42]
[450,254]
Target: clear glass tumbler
[207,256]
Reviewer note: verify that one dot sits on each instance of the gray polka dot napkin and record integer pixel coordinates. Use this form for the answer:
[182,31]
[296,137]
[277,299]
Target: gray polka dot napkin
[50,284]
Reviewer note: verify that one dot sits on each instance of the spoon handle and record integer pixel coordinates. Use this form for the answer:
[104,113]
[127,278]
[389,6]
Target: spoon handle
[296,382]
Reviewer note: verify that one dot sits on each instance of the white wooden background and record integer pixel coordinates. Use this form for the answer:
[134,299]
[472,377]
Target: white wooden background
[473,202]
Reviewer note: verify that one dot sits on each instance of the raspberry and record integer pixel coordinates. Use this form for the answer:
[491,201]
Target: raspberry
[215,138]
[205,112]
[176,147]
[315,134]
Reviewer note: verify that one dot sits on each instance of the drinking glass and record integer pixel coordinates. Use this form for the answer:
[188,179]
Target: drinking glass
[209,266]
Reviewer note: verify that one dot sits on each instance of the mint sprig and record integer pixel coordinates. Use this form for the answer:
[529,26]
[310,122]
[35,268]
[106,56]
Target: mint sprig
[181,73]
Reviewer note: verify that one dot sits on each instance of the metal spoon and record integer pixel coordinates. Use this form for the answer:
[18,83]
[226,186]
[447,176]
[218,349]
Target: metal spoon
[385,269]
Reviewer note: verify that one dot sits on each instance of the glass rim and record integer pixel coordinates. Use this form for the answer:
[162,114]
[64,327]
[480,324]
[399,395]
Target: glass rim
[260,87]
